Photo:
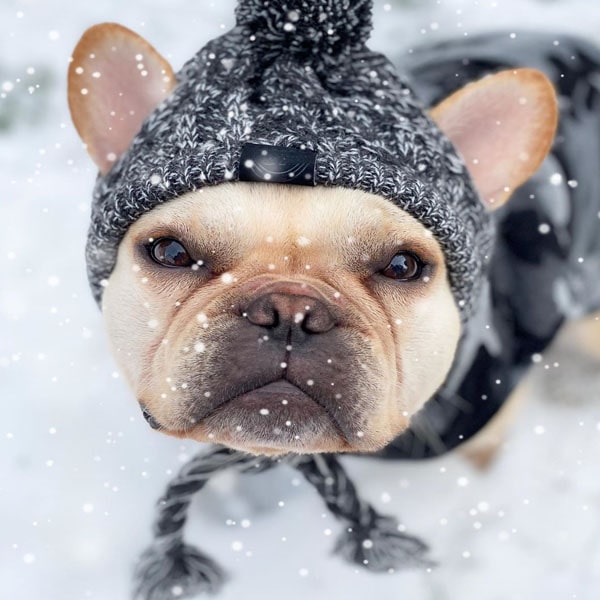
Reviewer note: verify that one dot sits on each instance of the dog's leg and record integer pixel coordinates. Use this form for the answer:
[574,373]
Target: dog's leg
[482,448]
[583,336]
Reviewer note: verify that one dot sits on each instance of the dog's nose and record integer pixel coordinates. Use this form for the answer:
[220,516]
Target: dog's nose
[281,312]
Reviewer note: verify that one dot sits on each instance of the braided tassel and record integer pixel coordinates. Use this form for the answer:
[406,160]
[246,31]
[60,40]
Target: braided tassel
[371,540]
[169,568]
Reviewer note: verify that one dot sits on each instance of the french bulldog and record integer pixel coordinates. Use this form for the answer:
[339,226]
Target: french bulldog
[276,318]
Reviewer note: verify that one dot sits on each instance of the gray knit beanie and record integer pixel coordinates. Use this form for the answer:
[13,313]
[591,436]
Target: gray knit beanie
[292,95]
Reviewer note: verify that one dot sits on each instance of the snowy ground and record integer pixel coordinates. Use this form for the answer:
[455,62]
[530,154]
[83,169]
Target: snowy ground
[80,470]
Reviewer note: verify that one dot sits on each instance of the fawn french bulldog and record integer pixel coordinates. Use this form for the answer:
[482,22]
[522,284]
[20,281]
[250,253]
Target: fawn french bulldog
[272,317]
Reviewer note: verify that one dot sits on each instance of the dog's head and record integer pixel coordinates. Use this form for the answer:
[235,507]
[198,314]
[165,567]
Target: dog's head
[275,318]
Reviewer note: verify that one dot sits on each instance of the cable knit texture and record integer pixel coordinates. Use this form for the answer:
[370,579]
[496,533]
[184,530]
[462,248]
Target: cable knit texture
[297,73]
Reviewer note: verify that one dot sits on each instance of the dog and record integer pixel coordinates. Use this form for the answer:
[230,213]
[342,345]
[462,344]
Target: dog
[276,316]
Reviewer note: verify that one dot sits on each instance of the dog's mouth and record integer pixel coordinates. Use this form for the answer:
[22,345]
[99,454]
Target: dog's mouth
[275,418]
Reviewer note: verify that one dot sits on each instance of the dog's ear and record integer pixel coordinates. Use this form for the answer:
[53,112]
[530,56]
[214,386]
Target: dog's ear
[116,78]
[503,126]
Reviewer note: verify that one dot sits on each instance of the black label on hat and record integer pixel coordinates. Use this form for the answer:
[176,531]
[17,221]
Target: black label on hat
[276,164]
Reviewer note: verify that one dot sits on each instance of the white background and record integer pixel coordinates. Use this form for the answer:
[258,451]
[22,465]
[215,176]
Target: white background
[79,468]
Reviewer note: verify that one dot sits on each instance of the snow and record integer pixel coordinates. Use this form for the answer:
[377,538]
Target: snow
[80,468]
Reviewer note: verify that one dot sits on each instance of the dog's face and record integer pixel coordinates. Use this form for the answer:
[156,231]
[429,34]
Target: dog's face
[275,318]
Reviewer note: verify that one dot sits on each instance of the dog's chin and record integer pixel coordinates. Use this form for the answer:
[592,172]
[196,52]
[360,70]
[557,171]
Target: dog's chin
[274,419]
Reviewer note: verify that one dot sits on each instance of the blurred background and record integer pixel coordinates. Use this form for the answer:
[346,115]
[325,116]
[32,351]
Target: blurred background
[80,470]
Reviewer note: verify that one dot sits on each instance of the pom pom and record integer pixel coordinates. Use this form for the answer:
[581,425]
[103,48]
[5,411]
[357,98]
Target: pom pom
[321,28]
[170,569]
[380,547]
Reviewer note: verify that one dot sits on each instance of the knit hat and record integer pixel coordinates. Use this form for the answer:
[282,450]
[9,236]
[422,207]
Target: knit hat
[292,95]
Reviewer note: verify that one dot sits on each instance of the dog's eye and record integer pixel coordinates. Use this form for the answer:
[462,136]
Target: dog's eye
[169,253]
[405,266]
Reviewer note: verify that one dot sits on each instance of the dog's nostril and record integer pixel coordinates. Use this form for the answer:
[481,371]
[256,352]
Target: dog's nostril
[318,321]
[263,312]
[150,419]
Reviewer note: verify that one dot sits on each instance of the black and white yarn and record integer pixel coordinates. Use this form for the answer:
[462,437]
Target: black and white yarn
[374,541]
[170,568]
[297,74]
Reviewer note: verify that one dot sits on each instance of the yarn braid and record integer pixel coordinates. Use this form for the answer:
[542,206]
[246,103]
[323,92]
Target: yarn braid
[371,540]
[170,568]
